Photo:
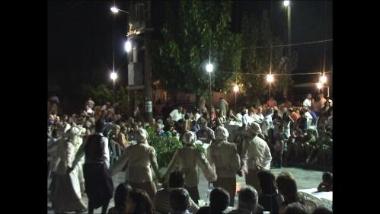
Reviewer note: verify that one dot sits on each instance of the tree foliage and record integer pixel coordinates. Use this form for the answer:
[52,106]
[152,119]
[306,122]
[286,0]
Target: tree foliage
[190,34]
[257,38]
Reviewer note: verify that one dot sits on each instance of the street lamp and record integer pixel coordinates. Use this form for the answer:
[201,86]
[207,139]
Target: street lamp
[270,79]
[128,46]
[113,77]
[210,69]
[116,10]
[286,3]
[323,79]
[236,90]
[319,85]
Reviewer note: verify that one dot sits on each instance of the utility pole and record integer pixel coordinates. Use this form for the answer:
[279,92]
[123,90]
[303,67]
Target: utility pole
[148,64]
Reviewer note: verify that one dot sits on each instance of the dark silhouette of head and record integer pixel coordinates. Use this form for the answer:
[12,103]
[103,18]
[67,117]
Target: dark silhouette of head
[322,210]
[138,202]
[248,199]
[287,187]
[267,181]
[176,179]
[327,177]
[99,126]
[295,208]
[121,194]
[179,199]
[219,200]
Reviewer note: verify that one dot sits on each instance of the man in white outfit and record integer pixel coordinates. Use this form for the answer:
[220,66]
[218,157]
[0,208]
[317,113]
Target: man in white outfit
[256,155]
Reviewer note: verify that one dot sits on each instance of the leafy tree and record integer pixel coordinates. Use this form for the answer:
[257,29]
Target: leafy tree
[190,34]
[257,38]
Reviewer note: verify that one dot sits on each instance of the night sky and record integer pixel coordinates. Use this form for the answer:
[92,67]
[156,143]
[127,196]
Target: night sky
[82,35]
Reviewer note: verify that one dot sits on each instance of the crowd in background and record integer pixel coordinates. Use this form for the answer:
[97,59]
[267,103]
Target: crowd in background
[280,135]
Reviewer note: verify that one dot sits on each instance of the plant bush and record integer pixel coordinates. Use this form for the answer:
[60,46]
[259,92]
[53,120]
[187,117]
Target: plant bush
[166,146]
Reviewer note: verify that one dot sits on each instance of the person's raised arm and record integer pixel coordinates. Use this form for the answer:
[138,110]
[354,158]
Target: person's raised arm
[120,163]
[153,161]
[206,167]
[171,165]
[78,156]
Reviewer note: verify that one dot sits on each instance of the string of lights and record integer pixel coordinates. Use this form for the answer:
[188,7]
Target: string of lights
[278,74]
[293,44]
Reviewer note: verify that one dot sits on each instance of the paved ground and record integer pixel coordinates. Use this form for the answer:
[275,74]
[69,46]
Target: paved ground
[305,179]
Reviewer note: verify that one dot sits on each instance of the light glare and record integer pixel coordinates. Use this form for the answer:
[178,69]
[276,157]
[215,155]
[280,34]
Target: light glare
[128,46]
[269,78]
[209,67]
[113,75]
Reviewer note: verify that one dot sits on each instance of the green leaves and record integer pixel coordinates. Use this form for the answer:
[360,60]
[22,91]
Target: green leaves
[165,146]
[200,28]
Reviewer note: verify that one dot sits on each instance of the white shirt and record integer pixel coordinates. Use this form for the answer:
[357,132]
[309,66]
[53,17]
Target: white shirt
[106,152]
[176,115]
[247,119]
[258,118]
[307,103]
[257,153]
[197,116]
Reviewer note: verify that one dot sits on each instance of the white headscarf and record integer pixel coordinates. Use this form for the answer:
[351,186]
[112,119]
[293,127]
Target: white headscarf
[254,128]
[221,133]
[142,135]
[189,138]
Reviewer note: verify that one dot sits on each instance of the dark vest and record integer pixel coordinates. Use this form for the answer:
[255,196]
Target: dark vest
[94,149]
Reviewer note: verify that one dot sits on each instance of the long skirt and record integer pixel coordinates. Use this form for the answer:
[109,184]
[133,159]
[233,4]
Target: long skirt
[98,184]
[252,179]
[229,184]
[66,195]
[149,187]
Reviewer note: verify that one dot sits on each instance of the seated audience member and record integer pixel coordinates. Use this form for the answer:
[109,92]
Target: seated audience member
[179,201]
[138,202]
[288,189]
[295,208]
[120,199]
[248,202]
[322,210]
[327,183]
[161,200]
[270,199]
[219,200]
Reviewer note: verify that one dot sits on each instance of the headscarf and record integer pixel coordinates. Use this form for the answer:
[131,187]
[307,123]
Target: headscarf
[189,138]
[221,133]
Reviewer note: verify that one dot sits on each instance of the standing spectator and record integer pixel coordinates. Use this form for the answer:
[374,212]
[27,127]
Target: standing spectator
[177,114]
[223,106]
[219,200]
[187,160]
[140,159]
[308,101]
[258,116]
[224,157]
[256,155]
[271,102]
[205,134]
